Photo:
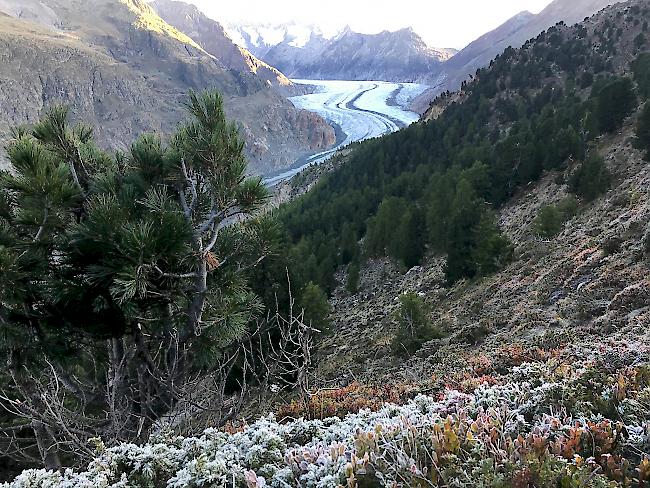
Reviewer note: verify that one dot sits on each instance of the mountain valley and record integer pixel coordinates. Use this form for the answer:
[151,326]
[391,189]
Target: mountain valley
[361,111]
[340,260]
[68,60]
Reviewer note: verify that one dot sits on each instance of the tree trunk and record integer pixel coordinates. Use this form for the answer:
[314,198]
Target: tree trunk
[195,312]
[47,446]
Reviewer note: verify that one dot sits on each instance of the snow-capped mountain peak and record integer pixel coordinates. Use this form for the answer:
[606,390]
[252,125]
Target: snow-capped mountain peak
[260,38]
[308,51]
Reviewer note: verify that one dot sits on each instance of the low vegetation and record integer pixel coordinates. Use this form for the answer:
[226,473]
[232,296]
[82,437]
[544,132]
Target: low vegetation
[551,218]
[570,421]
[339,402]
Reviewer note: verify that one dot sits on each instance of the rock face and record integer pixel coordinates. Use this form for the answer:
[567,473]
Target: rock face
[212,37]
[123,69]
[310,54]
[36,12]
[515,32]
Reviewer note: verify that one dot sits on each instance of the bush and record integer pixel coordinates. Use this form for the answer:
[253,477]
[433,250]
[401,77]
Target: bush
[475,333]
[317,309]
[548,222]
[551,218]
[591,179]
[612,246]
[414,327]
[352,284]
[340,402]
[643,131]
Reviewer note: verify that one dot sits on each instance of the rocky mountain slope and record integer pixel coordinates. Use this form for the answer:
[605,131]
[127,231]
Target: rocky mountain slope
[212,37]
[515,32]
[310,54]
[557,292]
[124,70]
[543,378]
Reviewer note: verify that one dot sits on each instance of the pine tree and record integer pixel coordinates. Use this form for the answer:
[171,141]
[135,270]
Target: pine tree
[407,242]
[614,101]
[413,325]
[383,228]
[352,283]
[591,179]
[641,68]
[491,250]
[313,301]
[441,195]
[643,131]
[349,243]
[124,274]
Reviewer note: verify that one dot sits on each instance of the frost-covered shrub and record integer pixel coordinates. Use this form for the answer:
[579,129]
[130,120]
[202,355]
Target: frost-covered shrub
[350,399]
[571,421]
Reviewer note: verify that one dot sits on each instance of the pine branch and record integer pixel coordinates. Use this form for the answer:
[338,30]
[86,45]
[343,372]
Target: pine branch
[175,275]
[41,229]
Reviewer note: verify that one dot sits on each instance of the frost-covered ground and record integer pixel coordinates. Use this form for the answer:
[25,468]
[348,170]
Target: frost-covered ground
[362,109]
[575,418]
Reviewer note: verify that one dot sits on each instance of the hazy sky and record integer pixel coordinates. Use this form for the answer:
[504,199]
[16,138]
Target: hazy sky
[442,23]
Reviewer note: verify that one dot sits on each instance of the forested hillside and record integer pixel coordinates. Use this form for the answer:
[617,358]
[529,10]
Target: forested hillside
[515,32]
[435,185]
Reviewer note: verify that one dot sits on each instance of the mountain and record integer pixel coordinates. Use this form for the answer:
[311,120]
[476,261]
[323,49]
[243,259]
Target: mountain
[260,38]
[212,37]
[535,110]
[32,11]
[515,32]
[123,69]
[537,120]
[308,53]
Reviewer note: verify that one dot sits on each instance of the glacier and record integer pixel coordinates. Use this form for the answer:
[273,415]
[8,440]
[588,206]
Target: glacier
[361,109]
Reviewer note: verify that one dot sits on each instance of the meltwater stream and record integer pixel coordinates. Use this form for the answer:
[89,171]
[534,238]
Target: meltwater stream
[362,110]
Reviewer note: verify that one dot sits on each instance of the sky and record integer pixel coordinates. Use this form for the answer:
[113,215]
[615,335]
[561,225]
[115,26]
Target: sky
[442,23]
